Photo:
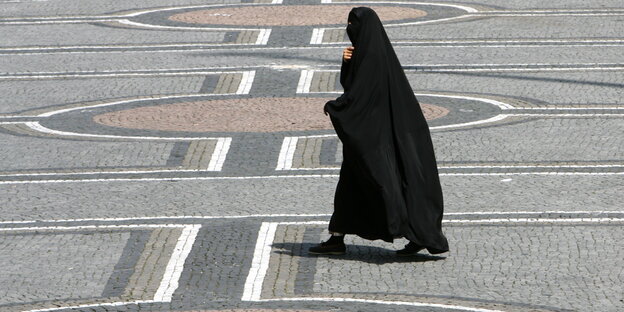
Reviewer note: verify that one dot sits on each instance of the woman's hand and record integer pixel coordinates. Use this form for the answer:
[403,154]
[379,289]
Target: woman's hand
[347,53]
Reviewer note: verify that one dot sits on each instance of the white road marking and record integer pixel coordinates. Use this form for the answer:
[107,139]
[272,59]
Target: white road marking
[22,1]
[39,128]
[461,7]
[143,25]
[305,80]
[220,152]
[246,82]
[263,36]
[230,217]
[259,262]
[298,176]
[175,266]
[121,171]
[57,22]
[65,110]
[317,36]
[216,47]
[82,306]
[487,167]
[385,302]
[284,161]
[94,227]
[118,74]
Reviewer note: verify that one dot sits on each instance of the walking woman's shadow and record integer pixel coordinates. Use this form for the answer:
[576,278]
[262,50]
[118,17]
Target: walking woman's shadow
[368,254]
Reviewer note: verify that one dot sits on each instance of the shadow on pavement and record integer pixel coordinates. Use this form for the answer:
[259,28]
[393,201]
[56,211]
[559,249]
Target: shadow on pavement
[368,254]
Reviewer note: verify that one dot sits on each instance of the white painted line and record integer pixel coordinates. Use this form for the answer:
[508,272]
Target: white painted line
[306,76]
[11,122]
[277,1]
[143,25]
[218,156]
[461,7]
[284,161]
[252,47]
[116,74]
[500,41]
[485,13]
[61,173]
[559,115]
[208,45]
[499,104]
[385,302]
[246,82]
[65,110]
[22,1]
[539,173]
[573,108]
[57,22]
[493,167]
[38,127]
[528,69]
[263,36]
[305,81]
[94,305]
[473,123]
[313,176]
[259,262]
[173,271]
[282,215]
[230,217]
[326,1]
[580,212]
[119,75]
[538,220]
[317,36]
[95,227]
[302,176]
[554,11]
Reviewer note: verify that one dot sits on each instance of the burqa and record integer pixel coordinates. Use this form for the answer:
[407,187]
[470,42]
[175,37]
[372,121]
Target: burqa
[389,185]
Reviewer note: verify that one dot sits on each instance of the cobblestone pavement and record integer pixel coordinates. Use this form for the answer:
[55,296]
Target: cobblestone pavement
[173,156]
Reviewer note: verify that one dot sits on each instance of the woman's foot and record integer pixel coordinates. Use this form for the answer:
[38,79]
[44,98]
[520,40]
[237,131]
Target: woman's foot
[333,246]
[409,250]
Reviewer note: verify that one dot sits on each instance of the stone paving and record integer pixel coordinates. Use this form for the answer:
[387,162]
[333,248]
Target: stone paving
[173,156]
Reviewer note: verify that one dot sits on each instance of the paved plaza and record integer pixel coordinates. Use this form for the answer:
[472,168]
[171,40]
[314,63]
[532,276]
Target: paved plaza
[173,156]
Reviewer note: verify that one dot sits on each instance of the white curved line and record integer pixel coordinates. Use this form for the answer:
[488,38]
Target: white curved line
[190,7]
[65,110]
[461,7]
[39,128]
[472,123]
[402,303]
[110,304]
[499,104]
[137,24]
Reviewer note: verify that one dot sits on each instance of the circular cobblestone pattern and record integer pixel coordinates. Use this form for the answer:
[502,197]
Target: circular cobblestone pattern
[234,115]
[289,15]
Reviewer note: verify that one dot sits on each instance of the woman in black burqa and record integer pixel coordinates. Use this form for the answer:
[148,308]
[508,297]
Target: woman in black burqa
[389,186]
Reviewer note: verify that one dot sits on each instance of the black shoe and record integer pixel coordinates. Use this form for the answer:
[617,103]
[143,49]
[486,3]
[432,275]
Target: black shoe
[328,248]
[409,250]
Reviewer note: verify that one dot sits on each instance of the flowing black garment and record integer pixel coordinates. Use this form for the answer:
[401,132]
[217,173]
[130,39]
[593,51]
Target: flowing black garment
[389,185]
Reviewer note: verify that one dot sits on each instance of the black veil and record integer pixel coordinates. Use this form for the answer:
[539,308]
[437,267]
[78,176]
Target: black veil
[389,185]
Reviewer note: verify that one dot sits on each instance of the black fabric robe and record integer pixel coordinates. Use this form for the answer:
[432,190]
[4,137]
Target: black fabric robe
[389,185]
